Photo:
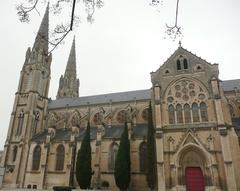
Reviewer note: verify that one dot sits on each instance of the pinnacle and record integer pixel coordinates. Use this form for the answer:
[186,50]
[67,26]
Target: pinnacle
[69,84]
[71,64]
[42,35]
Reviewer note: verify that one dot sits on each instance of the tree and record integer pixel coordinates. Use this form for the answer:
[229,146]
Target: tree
[122,173]
[151,152]
[83,165]
[61,30]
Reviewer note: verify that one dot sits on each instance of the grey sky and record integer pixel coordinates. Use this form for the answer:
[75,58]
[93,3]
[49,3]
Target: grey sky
[124,44]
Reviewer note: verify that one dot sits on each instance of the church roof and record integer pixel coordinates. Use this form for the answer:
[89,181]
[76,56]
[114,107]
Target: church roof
[101,99]
[64,134]
[228,85]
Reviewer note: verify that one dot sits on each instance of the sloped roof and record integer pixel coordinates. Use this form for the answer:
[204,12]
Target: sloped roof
[140,130]
[229,85]
[101,99]
[236,123]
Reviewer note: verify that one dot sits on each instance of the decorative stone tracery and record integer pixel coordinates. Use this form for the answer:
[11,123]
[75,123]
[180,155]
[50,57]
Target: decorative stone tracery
[187,102]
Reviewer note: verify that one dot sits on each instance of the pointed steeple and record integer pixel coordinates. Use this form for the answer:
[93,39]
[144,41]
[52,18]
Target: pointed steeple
[70,71]
[41,40]
[69,84]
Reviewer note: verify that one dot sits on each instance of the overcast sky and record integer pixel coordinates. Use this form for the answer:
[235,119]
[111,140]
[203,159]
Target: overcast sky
[124,44]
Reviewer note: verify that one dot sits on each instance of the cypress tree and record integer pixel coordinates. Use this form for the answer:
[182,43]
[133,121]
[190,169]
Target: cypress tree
[151,153]
[122,173]
[83,165]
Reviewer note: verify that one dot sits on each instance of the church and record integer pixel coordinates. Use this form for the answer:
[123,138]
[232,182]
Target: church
[196,119]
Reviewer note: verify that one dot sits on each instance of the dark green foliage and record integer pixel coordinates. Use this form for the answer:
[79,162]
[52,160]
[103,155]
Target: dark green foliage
[62,188]
[151,153]
[83,165]
[122,171]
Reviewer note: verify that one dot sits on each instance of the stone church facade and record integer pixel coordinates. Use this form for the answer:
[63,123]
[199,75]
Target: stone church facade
[196,119]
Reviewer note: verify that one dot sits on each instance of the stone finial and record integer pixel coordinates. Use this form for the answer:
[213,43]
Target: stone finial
[180,43]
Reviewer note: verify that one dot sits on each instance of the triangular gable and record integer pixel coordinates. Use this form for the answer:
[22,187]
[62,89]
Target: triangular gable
[190,138]
[182,50]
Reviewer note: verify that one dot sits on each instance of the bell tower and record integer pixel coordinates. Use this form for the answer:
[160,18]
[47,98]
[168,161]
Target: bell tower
[29,112]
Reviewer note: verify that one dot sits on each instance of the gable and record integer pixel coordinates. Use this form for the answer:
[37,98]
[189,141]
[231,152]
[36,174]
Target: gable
[186,64]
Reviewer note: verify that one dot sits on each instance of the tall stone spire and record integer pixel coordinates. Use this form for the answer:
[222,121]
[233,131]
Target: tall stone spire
[69,84]
[70,71]
[41,40]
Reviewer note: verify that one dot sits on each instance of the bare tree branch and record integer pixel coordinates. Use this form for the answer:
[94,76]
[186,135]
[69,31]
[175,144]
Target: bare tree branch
[23,11]
[175,30]
[61,31]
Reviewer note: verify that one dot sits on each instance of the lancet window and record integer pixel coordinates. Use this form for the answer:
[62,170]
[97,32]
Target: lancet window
[112,156]
[187,113]
[60,157]
[171,114]
[143,156]
[179,113]
[195,112]
[20,123]
[36,158]
[203,110]
[14,155]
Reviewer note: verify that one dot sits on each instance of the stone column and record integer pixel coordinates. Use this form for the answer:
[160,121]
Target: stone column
[213,171]
[43,164]
[173,175]
[227,158]
[160,161]
[159,139]
[224,137]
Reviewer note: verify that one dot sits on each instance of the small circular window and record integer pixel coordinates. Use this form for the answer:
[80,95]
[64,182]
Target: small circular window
[121,116]
[97,118]
[145,114]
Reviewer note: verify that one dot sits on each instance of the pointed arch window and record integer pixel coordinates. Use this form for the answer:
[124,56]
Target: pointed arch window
[60,157]
[179,113]
[185,64]
[36,158]
[171,114]
[187,113]
[20,122]
[143,156]
[14,156]
[203,111]
[195,112]
[178,65]
[113,155]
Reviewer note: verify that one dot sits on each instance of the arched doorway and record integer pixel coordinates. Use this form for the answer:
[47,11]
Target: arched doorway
[194,179]
[192,169]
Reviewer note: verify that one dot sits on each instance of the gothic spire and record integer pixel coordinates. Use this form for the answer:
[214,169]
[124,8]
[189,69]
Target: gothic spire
[41,40]
[70,71]
[69,84]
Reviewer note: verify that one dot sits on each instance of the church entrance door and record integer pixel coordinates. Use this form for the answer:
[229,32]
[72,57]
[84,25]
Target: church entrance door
[194,179]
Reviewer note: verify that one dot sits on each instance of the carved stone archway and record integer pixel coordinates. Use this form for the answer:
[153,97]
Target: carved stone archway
[193,156]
